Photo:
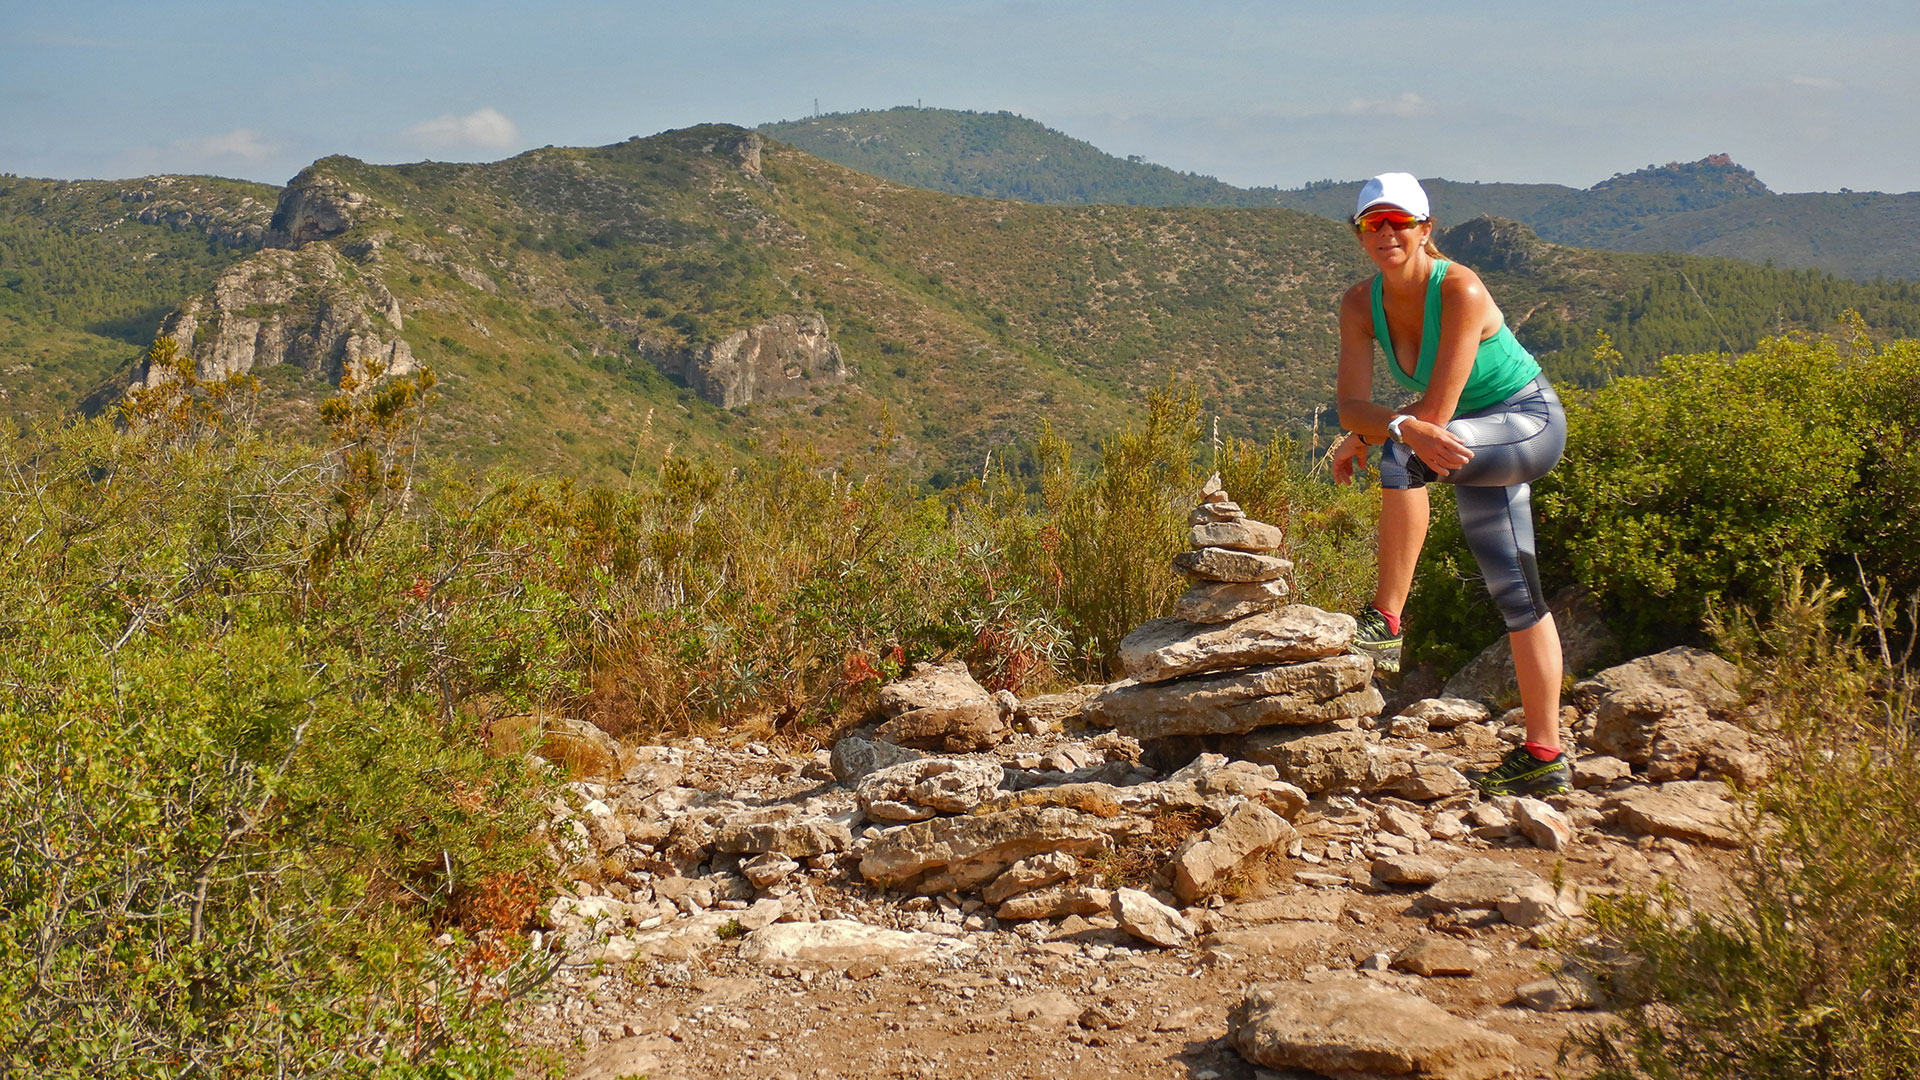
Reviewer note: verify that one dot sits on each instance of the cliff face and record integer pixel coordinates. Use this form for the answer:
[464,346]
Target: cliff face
[309,308]
[786,356]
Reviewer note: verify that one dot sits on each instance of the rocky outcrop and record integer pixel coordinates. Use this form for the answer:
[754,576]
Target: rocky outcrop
[786,356]
[314,208]
[1492,243]
[308,308]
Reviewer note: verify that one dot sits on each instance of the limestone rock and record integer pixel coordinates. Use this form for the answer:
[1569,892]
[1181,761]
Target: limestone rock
[854,757]
[786,356]
[769,869]
[1205,862]
[1710,681]
[1558,993]
[1543,825]
[1047,711]
[962,853]
[1292,907]
[1626,722]
[1428,957]
[1314,758]
[1056,902]
[1355,1027]
[1150,920]
[784,831]
[958,729]
[1207,513]
[1708,749]
[1478,883]
[1029,874]
[1445,712]
[914,790]
[1243,535]
[1313,692]
[1224,564]
[931,686]
[1169,648]
[1693,810]
[1415,870]
[1412,776]
[844,941]
[1600,770]
[1225,601]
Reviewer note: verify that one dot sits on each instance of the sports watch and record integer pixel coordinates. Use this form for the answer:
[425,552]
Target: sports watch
[1393,427]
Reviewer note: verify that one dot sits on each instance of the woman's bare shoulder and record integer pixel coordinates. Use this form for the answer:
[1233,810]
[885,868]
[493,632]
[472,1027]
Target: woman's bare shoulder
[1358,295]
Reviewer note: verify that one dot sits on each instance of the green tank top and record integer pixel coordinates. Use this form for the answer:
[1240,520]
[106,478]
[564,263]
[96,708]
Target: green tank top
[1500,368]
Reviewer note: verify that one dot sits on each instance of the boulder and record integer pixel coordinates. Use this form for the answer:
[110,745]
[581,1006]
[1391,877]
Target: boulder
[1203,863]
[1697,811]
[1710,681]
[963,853]
[1355,1027]
[1225,601]
[1708,749]
[1316,759]
[914,790]
[931,686]
[1223,564]
[1313,692]
[1150,920]
[1444,712]
[1415,870]
[1428,957]
[959,729]
[1169,648]
[1626,721]
[1244,534]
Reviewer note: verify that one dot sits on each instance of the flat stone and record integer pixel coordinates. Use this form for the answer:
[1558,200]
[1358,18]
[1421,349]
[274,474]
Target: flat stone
[1534,905]
[1204,863]
[1445,712]
[1225,601]
[784,831]
[1693,810]
[1557,993]
[914,790]
[1224,564]
[855,757]
[844,941]
[1478,883]
[1046,711]
[1355,1027]
[1600,770]
[1315,758]
[965,852]
[1243,535]
[942,686]
[1293,907]
[1436,956]
[1272,939]
[1413,870]
[1208,513]
[1707,679]
[1150,920]
[1311,692]
[1056,902]
[1169,648]
[1412,776]
[959,729]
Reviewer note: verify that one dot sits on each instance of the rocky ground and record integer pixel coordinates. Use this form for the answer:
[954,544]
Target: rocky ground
[1074,901]
[1238,861]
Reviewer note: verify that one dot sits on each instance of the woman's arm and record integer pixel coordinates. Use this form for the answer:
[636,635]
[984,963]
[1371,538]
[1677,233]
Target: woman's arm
[1353,386]
[1466,310]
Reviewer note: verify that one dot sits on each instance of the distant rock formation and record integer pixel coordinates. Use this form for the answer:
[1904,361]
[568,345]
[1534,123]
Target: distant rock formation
[313,208]
[786,356]
[1492,243]
[288,307]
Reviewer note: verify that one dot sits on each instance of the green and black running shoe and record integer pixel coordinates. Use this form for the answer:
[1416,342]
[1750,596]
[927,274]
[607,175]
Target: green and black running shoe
[1376,640]
[1520,773]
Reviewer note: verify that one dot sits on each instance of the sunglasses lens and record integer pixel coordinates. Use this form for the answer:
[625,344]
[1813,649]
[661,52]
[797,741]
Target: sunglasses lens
[1387,218]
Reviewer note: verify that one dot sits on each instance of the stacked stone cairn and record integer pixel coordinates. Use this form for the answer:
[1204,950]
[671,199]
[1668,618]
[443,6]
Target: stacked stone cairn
[1239,671]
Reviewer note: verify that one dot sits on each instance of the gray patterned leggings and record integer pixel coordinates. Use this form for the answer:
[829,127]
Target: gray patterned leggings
[1513,443]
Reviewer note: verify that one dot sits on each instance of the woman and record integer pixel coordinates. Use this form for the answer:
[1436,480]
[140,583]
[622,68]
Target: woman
[1485,421]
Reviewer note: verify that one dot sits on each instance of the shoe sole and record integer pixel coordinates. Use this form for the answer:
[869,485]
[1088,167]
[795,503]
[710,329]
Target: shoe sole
[1520,785]
[1385,657]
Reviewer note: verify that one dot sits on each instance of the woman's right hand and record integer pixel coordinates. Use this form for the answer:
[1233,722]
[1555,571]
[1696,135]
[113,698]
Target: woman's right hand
[1351,454]
[1439,448]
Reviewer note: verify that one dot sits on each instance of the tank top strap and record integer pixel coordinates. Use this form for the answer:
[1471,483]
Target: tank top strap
[1430,324]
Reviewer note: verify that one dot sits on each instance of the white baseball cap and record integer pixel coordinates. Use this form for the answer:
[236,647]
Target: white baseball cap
[1394,189]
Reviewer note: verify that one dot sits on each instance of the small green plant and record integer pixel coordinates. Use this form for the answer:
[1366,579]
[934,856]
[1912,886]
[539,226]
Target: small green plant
[729,930]
[1810,966]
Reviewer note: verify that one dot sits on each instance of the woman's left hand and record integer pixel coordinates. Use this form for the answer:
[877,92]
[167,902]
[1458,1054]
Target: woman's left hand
[1435,445]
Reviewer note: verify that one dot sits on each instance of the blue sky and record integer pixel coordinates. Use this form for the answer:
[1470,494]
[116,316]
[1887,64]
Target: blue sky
[1811,97]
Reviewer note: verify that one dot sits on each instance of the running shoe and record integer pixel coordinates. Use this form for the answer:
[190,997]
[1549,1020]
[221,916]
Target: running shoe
[1520,773]
[1376,640]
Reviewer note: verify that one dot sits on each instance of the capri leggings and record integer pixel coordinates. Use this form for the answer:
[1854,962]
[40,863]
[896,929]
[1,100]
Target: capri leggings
[1513,444]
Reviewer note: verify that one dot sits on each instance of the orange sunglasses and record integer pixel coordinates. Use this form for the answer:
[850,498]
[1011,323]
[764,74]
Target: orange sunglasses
[1375,220]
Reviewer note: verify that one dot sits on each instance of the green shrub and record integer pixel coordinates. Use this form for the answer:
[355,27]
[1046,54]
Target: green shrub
[1811,965]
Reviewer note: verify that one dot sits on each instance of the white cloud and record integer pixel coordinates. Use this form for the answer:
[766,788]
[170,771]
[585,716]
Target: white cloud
[1815,82]
[244,144]
[487,127]
[1405,105]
